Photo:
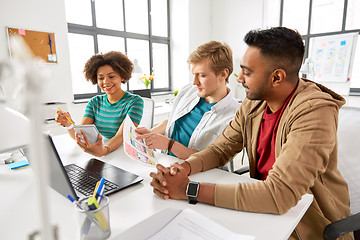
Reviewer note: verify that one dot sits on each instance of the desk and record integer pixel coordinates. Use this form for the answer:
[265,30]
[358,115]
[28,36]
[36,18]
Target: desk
[129,206]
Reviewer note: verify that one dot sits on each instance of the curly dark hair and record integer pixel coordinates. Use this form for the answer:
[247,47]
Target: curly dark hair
[117,60]
[282,45]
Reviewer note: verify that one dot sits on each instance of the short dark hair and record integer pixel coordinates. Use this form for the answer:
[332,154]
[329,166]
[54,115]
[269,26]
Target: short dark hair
[219,54]
[117,60]
[282,45]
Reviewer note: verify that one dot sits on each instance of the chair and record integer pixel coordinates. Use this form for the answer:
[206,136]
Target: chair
[148,113]
[349,166]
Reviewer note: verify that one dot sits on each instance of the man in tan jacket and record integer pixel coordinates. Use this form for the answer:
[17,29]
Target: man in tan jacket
[288,127]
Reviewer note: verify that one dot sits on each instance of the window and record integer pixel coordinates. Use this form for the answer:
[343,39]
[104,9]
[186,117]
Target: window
[317,18]
[326,16]
[139,28]
[296,14]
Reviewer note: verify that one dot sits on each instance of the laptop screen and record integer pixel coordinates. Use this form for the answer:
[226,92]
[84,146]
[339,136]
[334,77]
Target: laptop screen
[59,179]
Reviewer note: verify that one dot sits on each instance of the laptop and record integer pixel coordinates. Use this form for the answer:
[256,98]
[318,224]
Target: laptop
[79,180]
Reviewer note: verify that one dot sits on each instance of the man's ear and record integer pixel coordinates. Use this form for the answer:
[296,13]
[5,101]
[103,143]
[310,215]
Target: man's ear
[224,73]
[278,77]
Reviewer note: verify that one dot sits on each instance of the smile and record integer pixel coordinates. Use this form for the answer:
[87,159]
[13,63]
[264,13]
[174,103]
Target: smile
[107,87]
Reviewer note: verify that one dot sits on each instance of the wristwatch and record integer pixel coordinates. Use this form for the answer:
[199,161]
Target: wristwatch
[192,192]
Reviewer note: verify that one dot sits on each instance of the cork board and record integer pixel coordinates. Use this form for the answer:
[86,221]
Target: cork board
[42,44]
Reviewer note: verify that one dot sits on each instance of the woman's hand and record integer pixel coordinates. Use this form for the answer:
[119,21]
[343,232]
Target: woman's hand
[97,149]
[60,118]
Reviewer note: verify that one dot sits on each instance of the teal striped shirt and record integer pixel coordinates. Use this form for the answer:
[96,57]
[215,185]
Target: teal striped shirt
[108,117]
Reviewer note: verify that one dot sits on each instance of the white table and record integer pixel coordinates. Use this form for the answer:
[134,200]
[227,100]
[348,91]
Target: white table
[128,207]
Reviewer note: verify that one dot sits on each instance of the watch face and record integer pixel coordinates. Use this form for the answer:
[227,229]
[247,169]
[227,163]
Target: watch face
[192,189]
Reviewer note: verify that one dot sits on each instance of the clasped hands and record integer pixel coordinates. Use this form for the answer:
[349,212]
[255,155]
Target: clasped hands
[170,182]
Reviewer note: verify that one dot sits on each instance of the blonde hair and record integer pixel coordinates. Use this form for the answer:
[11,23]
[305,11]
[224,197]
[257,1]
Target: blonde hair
[219,54]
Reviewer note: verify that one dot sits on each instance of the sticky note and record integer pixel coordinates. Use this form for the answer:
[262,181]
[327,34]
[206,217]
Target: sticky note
[21,32]
[18,164]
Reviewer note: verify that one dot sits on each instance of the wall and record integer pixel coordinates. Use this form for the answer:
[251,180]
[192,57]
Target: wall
[179,35]
[200,22]
[190,27]
[232,19]
[47,16]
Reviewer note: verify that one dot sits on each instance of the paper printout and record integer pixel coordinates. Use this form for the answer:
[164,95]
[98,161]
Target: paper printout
[136,149]
[189,224]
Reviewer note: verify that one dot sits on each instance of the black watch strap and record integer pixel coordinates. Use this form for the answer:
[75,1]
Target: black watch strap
[192,200]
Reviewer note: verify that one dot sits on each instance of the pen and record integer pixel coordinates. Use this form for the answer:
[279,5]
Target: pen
[74,201]
[67,117]
[99,198]
[50,43]
[100,188]
[95,189]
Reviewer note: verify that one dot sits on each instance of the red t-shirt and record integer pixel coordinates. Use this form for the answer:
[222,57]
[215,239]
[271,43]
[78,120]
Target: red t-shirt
[266,141]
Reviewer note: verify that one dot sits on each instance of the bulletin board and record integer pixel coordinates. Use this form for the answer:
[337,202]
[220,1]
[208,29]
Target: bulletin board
[332,57]
[42,44]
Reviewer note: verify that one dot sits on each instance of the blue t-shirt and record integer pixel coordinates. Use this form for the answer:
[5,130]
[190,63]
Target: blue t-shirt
[185,126]
[109,116]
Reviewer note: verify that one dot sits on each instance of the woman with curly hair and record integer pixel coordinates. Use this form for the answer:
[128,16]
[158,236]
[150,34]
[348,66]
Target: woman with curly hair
[109,110]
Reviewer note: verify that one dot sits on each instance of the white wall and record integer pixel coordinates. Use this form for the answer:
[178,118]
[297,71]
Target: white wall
[232,19]
[179,45]
[46,16]
[190,26]
[200,22]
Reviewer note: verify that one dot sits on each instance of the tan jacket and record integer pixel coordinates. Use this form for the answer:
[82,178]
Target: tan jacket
[306,160]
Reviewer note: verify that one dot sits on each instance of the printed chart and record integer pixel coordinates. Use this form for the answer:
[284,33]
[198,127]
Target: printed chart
[134,148]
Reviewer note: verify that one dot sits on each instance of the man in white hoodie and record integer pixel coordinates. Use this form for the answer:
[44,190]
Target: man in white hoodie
[201,110]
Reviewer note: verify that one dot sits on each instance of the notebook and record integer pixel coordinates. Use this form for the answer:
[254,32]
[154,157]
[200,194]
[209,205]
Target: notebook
[68,179]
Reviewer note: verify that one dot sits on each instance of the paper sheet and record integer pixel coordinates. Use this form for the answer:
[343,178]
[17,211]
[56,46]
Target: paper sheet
[136,149]
[189,224]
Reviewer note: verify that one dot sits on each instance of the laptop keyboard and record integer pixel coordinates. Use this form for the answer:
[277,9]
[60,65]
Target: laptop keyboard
[83,182]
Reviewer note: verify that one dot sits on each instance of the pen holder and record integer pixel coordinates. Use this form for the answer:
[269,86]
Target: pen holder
[94,224]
